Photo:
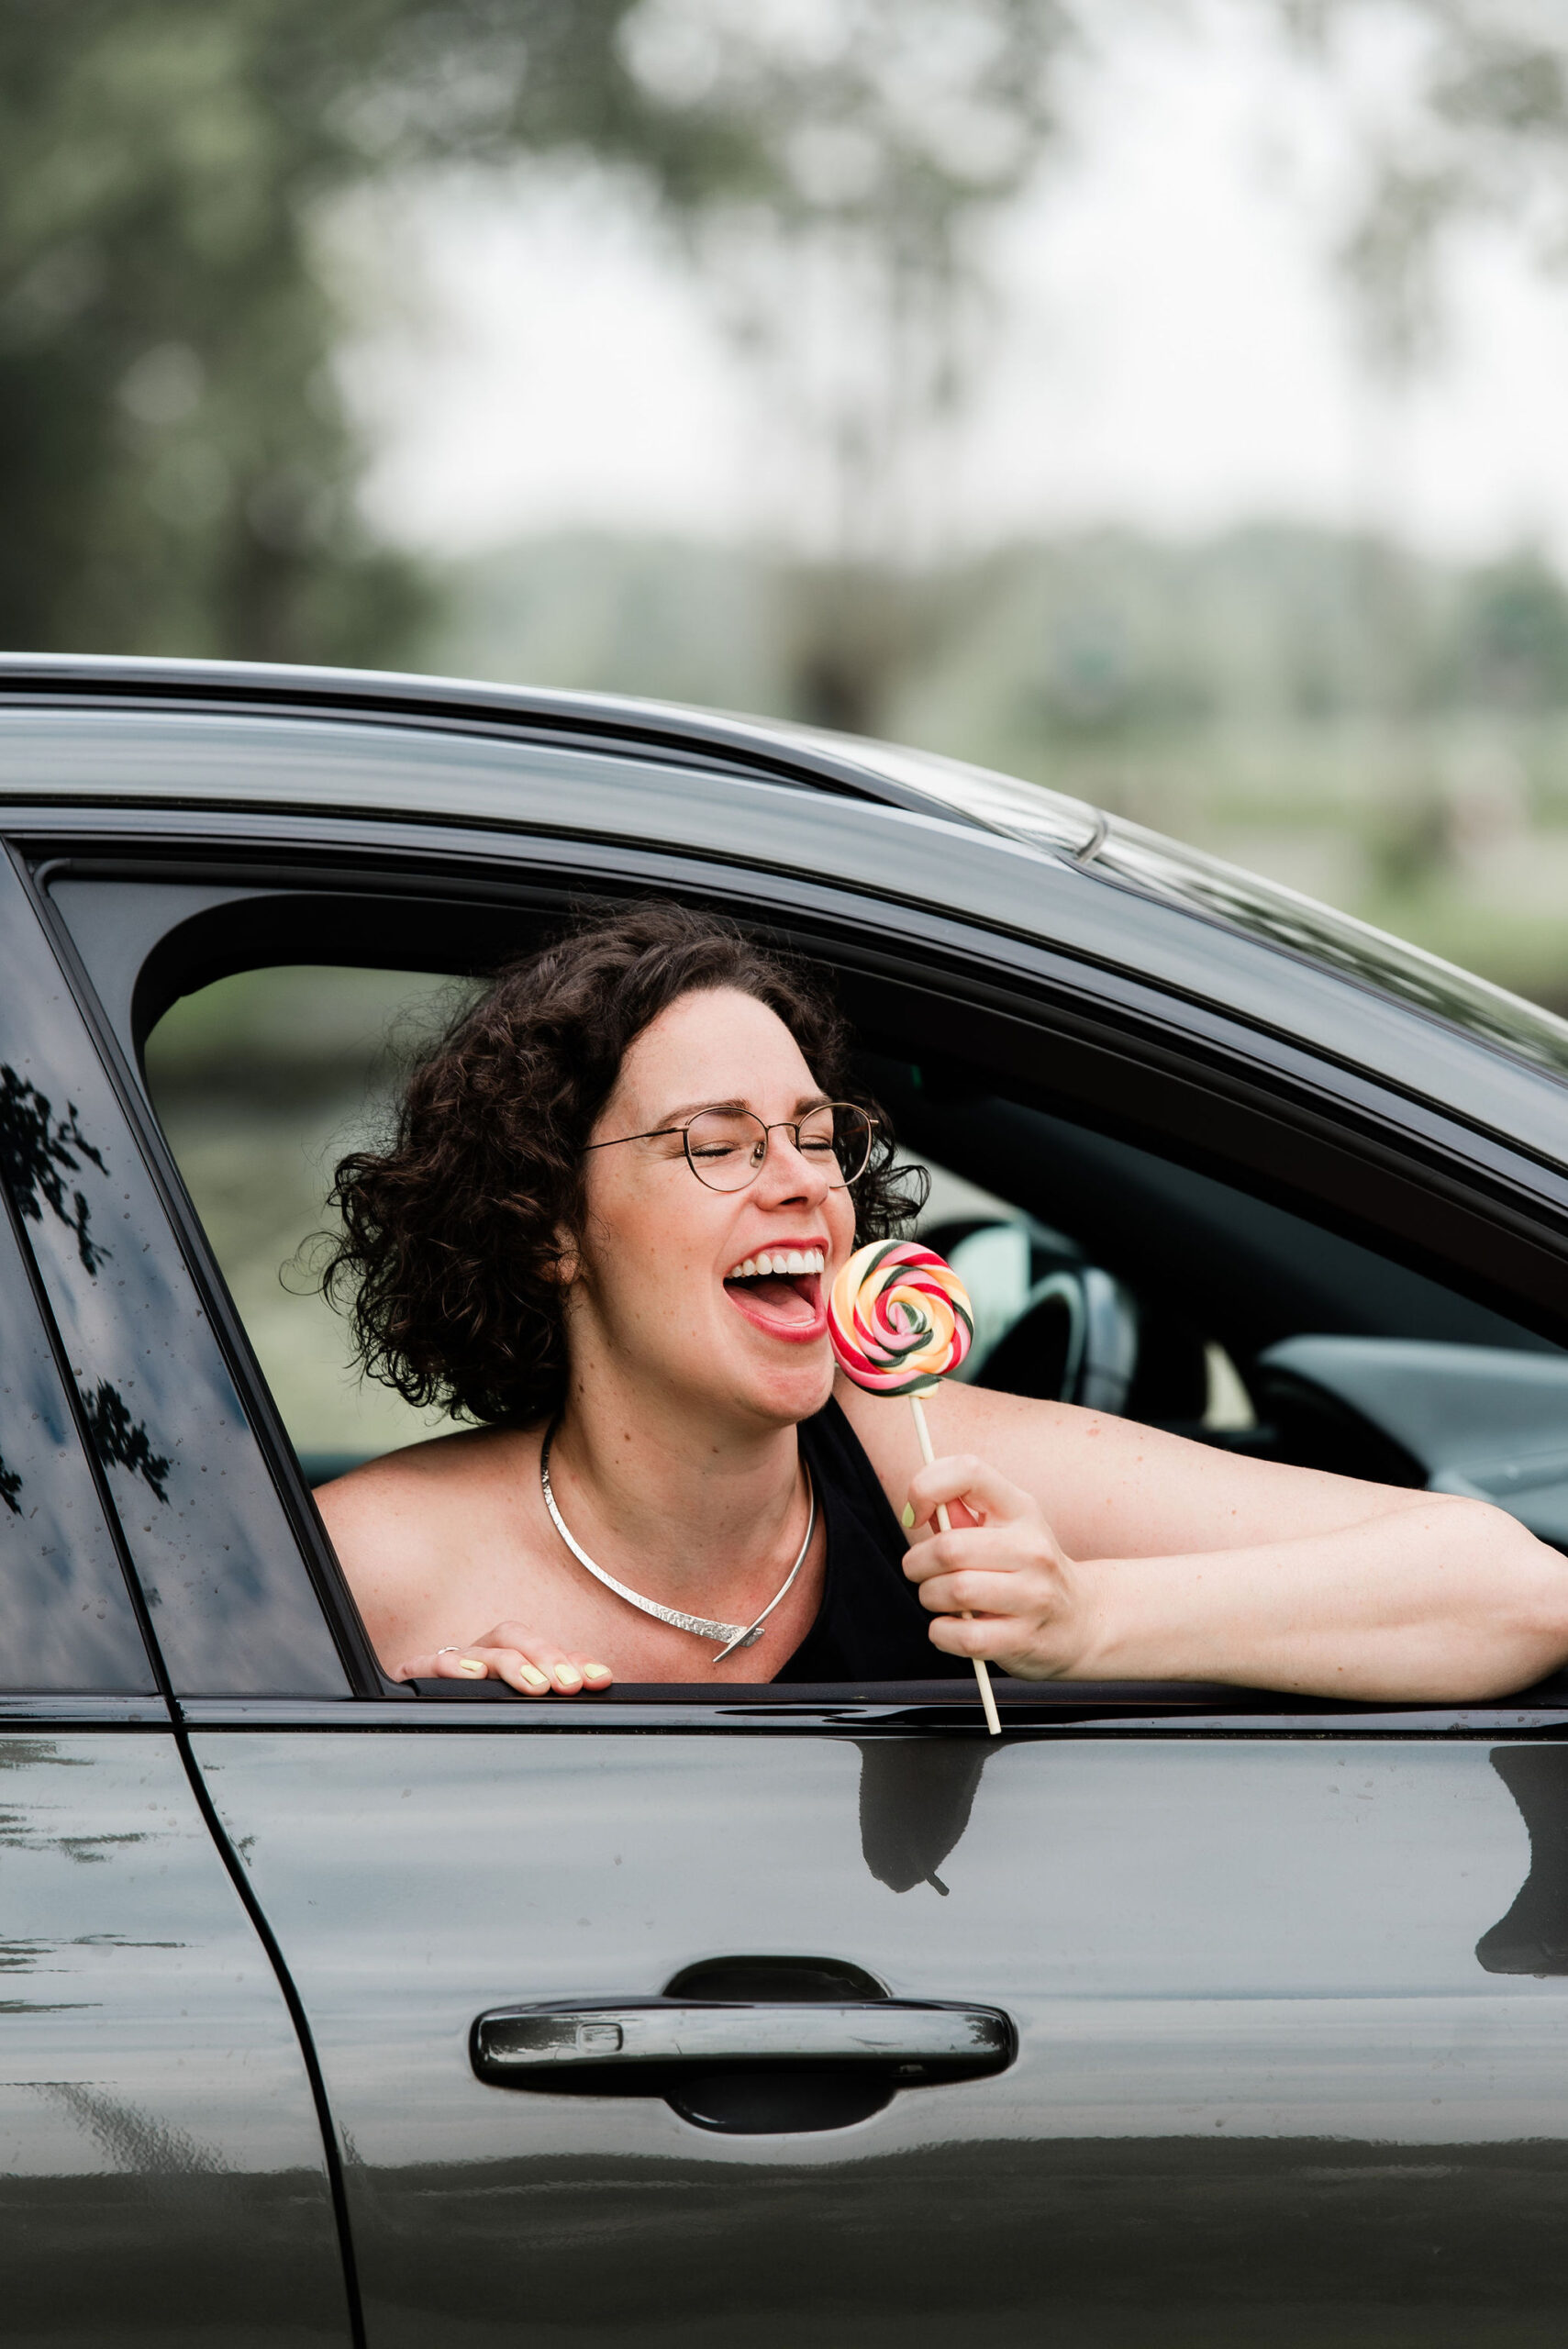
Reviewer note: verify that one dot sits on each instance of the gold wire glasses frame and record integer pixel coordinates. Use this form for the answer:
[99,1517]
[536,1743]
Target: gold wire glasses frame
[726,1149]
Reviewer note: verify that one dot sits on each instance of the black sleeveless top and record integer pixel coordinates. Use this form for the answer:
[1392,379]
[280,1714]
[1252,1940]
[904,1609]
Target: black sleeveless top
[870,1624]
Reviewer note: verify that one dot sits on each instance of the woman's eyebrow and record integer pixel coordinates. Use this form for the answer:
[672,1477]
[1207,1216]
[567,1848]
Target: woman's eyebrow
[695,1108]
[803,1107]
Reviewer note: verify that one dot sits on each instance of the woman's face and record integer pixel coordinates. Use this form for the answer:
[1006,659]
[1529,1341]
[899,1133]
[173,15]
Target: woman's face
[656,1292]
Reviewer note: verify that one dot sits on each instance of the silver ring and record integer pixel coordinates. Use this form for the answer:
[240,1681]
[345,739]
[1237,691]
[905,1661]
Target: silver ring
[449,1651]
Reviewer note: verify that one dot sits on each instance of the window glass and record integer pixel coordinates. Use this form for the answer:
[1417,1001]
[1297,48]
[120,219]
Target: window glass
[66,1620]
[227,1588]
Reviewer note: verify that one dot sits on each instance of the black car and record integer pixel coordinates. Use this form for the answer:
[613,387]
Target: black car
[340,2009]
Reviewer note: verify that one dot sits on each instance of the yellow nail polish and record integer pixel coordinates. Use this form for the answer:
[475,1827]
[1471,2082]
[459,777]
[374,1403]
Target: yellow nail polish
[565,1677]
[533,1675]
[908,1516]
[471,1666]
[596,1672]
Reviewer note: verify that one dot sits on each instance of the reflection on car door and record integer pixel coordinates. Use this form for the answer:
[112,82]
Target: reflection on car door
[163,2174]
[1277,2076]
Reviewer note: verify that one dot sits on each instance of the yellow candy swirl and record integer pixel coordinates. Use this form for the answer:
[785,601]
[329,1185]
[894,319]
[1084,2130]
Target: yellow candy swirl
[899,1318]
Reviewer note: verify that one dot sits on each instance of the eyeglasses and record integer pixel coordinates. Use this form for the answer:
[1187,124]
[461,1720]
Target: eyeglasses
[726,1149]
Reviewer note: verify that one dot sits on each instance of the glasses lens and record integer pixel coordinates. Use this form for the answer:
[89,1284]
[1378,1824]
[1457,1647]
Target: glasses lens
[726,1147]
[851,1140]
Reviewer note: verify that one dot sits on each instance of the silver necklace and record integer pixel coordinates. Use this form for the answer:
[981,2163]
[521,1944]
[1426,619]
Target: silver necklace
[734,1635]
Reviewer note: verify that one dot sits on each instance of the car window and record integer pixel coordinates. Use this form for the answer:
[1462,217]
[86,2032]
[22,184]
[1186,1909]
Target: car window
[1101,1271]
[230,1597]
[66,1620]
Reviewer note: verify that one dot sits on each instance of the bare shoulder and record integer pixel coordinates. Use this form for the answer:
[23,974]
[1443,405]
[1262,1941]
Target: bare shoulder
[1010,1430]
[419,1499]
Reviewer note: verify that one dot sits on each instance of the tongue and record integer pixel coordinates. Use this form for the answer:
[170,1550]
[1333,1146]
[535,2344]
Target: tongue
[778,1295]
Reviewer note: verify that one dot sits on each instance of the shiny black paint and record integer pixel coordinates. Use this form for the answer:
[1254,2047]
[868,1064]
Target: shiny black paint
[1266,2089]
[144,757]
[162,2173]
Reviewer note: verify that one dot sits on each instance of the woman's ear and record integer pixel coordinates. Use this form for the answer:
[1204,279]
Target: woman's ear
[566,1265]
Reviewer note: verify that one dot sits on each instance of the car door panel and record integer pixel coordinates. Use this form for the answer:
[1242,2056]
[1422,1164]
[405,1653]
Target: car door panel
[1265,2083]
[163,2175]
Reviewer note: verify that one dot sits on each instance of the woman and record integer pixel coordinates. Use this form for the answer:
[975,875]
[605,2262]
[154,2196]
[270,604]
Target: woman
[606,1231]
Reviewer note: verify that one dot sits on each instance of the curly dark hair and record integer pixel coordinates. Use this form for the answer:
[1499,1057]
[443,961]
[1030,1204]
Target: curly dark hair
[448,1261]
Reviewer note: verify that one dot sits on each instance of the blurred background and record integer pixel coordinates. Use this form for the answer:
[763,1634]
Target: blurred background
[1162,398]
[1159,398]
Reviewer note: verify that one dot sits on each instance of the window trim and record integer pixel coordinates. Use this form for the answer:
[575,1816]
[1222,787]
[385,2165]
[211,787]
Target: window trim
[1172,1046]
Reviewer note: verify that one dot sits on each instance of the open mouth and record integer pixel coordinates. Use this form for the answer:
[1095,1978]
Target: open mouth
[781,1291]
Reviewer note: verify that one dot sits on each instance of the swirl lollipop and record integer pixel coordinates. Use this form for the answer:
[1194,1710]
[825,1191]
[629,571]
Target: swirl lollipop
[899,1320]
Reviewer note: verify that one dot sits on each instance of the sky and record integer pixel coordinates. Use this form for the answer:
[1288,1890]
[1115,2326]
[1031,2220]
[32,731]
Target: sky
[1171,349]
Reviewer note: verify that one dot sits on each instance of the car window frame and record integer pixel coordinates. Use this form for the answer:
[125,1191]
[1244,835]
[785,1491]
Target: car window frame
[510,876]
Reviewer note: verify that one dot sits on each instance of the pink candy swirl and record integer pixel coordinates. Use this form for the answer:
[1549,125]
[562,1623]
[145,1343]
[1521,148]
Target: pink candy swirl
[899,1318]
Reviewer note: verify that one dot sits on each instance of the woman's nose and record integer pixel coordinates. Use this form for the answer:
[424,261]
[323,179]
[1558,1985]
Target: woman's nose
[788,1174]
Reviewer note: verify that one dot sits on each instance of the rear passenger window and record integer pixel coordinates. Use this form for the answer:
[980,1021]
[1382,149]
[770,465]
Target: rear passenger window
[66,1621]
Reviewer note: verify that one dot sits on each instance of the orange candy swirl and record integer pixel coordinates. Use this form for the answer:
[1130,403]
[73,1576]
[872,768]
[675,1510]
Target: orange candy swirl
[899,1318]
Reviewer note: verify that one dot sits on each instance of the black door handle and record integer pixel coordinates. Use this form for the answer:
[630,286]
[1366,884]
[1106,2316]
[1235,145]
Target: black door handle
[755,2065]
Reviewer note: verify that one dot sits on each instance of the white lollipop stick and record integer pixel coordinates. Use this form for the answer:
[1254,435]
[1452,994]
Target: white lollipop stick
[987,1694]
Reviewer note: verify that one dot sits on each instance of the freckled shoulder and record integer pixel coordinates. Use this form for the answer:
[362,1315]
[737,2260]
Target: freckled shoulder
[399,1510]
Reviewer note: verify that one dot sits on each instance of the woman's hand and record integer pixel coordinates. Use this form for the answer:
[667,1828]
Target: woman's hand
[533,1665]
[1002,1565]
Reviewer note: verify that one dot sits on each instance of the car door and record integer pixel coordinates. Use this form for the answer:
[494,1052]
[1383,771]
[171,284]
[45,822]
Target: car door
[813,2013]
[163,2174]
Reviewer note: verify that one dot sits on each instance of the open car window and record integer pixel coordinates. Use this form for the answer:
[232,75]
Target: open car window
[1102,1271]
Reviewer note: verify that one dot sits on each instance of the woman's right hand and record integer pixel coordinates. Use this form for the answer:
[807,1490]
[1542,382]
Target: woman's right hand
[533,1665]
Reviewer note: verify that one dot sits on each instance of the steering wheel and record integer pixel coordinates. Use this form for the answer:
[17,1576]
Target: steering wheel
[1075,1341]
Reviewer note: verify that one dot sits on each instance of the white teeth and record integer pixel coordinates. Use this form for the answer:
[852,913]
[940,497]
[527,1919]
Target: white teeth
[782,1261]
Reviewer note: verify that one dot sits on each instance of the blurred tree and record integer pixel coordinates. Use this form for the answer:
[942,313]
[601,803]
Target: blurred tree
[177,469]
[1480,131]
[1516,636]
[851,273]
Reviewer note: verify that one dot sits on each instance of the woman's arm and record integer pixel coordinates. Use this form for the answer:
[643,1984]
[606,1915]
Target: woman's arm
[1110,1551]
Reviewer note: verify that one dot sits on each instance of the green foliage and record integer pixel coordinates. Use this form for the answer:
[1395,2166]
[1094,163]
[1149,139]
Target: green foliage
[1481,133]
[1515,636]
[176,468]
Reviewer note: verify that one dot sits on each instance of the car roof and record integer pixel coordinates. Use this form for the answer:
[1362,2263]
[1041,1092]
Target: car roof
[1068,832]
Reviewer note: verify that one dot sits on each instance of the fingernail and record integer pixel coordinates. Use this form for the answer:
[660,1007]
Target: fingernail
[565,1677]
[596,1672]
[471,1667]
[908,1516]
[534,1676]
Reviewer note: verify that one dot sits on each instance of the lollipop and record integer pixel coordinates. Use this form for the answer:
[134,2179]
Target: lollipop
[900,1320]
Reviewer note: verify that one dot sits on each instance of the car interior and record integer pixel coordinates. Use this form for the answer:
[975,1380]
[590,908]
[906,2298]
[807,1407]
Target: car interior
[1146,1273]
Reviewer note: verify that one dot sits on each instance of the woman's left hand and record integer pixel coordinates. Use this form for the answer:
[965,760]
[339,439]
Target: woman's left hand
[1002,1565]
